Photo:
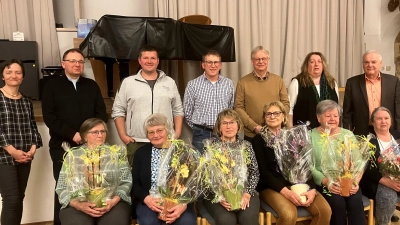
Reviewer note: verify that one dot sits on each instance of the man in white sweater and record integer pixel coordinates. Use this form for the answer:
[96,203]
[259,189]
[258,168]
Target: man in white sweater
[149,91]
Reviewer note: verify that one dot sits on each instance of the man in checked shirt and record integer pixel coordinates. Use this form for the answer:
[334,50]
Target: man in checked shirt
[205,97]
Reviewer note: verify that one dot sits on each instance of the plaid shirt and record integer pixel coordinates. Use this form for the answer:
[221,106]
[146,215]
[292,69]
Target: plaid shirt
[203,100]
[17,127]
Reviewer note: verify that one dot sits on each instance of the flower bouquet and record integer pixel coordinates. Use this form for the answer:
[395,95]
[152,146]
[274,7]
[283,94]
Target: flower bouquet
[179,176]
[389,161]
[293,154]
[92,174]
[226,171]
[343,160]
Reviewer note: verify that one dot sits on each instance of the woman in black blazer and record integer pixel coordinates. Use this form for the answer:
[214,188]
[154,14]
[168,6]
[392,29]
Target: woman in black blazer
[373,185]
[144,174]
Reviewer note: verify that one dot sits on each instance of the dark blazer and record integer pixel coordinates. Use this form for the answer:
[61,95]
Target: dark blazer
[355,104]
[370,180]
[141,172]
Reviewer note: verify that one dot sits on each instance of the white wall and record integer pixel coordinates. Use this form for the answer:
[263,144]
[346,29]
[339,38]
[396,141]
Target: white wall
[381,28]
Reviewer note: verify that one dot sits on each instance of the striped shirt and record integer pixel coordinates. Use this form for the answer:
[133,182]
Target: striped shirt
[17,127]
[203,100]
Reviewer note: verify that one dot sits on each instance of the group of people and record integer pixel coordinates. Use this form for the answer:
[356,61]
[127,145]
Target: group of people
[148,110]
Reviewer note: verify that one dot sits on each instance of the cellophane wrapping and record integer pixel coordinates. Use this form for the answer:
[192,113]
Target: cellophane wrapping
[94,175]
[226,171]
[389,161]
[293,154]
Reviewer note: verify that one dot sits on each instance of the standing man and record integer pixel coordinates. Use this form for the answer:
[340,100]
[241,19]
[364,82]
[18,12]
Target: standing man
[67,102]
[149,91]
[255,90]
[367,91]
[205,97]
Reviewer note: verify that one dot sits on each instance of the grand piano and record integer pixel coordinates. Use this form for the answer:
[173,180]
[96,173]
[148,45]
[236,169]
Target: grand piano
[117,39]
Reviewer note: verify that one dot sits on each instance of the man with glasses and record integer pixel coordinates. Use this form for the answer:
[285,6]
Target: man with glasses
[255,90]
[205,97]
[67,102]
[139,96]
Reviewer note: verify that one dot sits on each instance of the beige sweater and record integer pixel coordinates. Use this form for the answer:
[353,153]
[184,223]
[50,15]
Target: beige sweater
[252,94]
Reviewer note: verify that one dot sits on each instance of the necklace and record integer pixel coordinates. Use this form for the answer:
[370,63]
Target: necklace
[12,95]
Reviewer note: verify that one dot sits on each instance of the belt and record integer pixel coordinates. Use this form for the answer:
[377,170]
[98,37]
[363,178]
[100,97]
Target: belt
[203,127]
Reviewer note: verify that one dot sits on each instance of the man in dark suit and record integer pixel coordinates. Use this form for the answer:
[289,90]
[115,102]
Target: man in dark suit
[367,91]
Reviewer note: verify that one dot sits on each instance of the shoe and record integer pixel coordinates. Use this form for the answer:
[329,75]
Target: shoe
[394,218]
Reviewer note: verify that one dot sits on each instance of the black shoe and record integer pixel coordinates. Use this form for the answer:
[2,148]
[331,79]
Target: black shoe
[394,218]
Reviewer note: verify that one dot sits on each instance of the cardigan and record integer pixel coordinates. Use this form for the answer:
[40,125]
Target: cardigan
[370,180]
[141,172]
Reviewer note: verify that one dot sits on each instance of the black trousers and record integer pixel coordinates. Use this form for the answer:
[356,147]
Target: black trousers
[56,155]
[13,181]
[345,209]
[118,215]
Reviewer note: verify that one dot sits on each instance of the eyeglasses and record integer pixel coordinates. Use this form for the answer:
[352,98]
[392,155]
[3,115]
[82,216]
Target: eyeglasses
[264,59]
[230,123]
[97,132]
[276,114]
[152,133]
[210,63]
[73,61]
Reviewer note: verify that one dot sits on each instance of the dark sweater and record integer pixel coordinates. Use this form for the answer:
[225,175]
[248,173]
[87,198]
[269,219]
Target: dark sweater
[306,104]
[270,176]
[370,180]
[141,172]
[65,109]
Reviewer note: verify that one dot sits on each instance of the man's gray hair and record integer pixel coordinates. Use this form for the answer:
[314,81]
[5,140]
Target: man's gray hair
[327,105]
[372,51]
[259,48]
[158,119]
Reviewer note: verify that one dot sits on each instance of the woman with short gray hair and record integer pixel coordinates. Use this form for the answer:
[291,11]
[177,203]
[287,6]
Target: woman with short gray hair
[375,186]
[144,176]
[344,209]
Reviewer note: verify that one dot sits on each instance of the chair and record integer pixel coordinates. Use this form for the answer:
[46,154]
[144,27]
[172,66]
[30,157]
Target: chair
[198,221]
[206,218]
[271,216]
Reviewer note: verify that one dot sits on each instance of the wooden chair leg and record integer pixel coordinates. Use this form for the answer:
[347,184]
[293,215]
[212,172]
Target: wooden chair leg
[261,218]
[268,218]
[371,213]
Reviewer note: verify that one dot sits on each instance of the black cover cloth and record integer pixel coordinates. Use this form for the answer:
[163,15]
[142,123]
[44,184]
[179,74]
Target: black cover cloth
[120,37]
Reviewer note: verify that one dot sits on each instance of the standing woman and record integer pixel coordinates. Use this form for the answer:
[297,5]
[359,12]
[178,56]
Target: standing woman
[312,85]
[19,139]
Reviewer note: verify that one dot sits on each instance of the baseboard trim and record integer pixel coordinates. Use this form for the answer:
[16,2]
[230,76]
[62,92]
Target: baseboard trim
[40,223]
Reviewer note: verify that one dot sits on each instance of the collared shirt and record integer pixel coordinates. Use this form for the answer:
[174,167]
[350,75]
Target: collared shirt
[73,81]
[17,127]
[261,78]
[373,93]
[203,100]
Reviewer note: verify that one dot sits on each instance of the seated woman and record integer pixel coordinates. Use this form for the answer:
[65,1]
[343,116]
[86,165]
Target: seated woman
[373,185]
[116,210]
[344,209]
[144,174]
[273,187]
[227,127]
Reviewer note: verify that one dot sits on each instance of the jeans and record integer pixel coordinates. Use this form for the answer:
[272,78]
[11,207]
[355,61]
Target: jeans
[199,135]
[13,181]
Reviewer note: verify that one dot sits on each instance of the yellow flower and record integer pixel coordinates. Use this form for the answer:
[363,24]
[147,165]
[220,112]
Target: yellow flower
[233,163]
[184,171]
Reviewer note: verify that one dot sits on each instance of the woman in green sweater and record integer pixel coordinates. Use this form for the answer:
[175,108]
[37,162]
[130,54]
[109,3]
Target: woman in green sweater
[328,114]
